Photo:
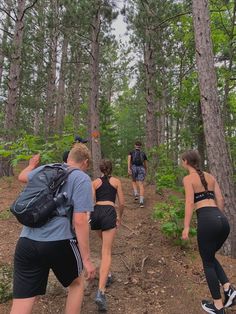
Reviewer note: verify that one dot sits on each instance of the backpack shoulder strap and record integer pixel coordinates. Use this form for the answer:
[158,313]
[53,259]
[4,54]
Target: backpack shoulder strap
[62,177]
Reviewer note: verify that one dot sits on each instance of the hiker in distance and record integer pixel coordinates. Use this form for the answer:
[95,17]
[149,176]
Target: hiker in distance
[77,140]
[105,221]
[137,168]
[54,245]
[203,194]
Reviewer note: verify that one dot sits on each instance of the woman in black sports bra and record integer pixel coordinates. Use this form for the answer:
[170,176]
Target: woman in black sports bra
[203,194]
[105,220]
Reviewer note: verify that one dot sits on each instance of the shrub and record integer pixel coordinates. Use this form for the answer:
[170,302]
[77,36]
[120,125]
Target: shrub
[171,215]
[5,283]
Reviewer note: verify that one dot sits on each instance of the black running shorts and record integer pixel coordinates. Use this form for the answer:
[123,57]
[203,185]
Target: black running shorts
[103,217]
[34,259]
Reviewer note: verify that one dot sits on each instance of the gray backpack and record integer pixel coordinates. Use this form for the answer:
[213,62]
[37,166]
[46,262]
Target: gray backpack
[39,200]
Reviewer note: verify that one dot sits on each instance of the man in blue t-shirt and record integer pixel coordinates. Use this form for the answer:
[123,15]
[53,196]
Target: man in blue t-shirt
[137,168]
[54,245]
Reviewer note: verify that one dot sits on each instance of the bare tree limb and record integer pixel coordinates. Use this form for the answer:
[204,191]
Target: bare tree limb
[8,13]
[178,15]
[172,18]
[29,7]
[8,33]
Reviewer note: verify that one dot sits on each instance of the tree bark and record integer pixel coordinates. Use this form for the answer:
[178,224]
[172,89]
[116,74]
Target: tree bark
[60,107]
[226,110]
[94,94]
[77,97]
[14,73]
[52,67]
[218,155]
[149,63]
[4,41]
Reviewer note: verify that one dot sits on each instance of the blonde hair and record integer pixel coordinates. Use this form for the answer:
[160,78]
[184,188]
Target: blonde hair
[79,153]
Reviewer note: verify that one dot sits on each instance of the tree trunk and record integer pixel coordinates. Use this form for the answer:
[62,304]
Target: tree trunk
[77,91]
[226,110]
[4,41]
[39,91]
[151,125]
[218,155]
[200,137]
[14,73]
[60,106]
[51,85]
[94,94]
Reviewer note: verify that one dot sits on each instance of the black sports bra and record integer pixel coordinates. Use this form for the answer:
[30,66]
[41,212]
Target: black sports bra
[200,196]
[106,192]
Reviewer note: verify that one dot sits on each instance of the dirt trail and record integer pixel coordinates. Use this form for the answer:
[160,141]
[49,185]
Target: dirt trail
[151,274]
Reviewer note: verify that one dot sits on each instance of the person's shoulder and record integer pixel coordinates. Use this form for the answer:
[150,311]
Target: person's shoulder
[97,180]
[209,175]
[36,170]
[115,179]
[187,179]
[79,175]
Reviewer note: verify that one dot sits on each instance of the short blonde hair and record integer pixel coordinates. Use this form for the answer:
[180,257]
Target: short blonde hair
[79,153]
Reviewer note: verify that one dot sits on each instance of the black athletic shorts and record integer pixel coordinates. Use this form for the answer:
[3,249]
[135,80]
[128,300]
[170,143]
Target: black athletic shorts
[103,217]
[34,259]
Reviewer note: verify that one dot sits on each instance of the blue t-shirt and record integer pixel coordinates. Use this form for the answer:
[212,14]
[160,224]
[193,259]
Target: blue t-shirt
[79,191]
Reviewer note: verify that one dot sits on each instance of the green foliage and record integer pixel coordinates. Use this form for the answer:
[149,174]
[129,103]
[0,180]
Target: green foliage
[5,214]
[28,145]
[5,283]
[168,174]
[171,215]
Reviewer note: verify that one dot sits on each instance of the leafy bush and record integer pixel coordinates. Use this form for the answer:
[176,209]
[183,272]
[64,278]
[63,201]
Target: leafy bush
[171,215]
[27,145]
[168,175]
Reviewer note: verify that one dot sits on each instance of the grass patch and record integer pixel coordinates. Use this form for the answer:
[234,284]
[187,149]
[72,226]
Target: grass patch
[5,214]
[6,274]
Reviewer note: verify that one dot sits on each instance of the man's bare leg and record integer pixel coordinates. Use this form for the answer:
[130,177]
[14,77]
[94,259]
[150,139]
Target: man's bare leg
[141,193]
[22,306]
[75,296]
[135,188]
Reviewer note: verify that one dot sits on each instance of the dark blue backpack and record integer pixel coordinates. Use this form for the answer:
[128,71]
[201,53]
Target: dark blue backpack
[137,157]
[39,200]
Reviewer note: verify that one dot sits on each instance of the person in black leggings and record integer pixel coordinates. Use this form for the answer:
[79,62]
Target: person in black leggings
[203,193]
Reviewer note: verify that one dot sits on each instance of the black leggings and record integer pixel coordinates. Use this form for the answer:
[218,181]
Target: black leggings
[212,231]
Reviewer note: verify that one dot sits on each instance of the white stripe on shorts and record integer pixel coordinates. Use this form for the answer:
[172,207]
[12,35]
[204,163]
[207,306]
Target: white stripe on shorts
[77,255]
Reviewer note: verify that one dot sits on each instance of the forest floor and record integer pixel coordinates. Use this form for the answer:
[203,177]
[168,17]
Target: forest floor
[152,275]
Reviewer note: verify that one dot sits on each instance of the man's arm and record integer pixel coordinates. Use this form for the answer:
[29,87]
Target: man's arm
[33,163]
[81,226]
[145,165]
[82,202]
[129,165]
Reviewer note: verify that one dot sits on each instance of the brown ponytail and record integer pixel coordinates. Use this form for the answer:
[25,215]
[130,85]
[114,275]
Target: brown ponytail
[202,178]
[106,167]
[193,159]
